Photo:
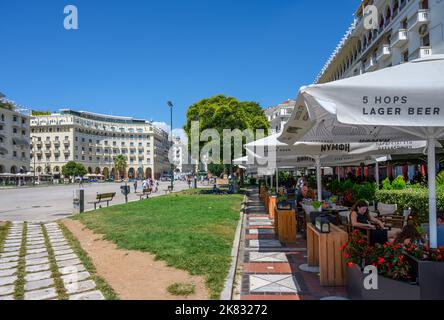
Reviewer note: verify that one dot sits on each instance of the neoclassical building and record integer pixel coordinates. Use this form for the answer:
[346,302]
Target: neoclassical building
[94,140]
[405,30]
[14,139]
[279,115]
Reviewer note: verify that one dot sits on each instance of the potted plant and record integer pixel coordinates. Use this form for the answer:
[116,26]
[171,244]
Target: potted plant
[394,270]
[427,270]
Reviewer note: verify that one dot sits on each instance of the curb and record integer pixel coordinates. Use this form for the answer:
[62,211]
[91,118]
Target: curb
[227,293]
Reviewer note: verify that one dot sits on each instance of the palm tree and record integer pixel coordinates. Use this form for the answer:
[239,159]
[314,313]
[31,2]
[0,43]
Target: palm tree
[120,164]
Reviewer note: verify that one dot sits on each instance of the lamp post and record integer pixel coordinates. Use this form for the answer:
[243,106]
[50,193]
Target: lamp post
[170,105]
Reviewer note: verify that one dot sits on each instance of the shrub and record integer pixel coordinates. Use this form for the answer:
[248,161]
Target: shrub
[412,198]
[440,179]
[386,184]
[399,183]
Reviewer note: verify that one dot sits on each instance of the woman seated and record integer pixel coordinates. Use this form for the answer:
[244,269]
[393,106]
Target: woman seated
[409,235]
[360,217]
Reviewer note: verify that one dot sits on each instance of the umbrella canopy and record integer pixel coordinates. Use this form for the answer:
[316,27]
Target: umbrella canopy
[404,102]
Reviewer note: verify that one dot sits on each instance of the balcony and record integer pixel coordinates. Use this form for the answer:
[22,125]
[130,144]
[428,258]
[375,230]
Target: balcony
[66,151]
[56,152]
[400,38]
[421,18]
[371,64]
[39,152]
[39,144]
[66,142]
[47,143]
[48,152]
[57,143]
[425,52]
[384,52]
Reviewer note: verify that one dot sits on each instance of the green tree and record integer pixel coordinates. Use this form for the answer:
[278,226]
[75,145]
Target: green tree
[73,169]
[120,165]
[221,112]
[216,169]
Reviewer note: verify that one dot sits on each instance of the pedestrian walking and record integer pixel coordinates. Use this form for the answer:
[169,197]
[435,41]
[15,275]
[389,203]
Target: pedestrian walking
[81,182]
[135,186]
[157,187]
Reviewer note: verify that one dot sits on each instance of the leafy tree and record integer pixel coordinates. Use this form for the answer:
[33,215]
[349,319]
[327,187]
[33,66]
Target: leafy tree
[120,164]
[386,184]
[440,179]
[221,112]
[216,169]
[73,169]
[399,183]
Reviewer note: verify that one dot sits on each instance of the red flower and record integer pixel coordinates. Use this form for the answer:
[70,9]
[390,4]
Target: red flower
[350,264]
[342,247]
[346,255]
[380,261]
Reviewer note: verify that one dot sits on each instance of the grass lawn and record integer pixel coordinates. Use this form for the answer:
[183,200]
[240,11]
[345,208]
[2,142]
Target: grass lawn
[188,230]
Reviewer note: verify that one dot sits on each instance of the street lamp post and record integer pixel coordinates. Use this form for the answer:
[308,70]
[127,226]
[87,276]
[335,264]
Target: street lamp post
[170,105]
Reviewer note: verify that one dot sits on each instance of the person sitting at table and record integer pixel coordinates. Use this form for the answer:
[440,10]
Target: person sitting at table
[409,235]
[360,217]
[302,194]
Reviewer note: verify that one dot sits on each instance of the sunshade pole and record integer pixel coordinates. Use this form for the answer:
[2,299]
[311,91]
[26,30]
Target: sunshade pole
[377,173]
[277,180]
[432,191]
[318,178]
[339,174]
[271,181]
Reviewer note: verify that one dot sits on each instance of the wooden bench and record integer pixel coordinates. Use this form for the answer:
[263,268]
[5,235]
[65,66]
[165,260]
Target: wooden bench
[145,193]
[103,197]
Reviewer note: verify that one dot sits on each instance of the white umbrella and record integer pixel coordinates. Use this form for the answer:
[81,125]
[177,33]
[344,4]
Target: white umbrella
[405,102]
[274,153]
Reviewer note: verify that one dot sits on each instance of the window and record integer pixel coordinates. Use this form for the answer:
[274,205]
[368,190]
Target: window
[425,40]
[405,56]
[14,118]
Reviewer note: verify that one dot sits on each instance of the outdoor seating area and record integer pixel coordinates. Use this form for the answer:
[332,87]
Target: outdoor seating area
[102,198]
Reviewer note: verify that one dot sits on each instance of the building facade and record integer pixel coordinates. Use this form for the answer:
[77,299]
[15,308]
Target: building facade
[405,30]
[279,115]
[94,140]
[181,157]
[14,139]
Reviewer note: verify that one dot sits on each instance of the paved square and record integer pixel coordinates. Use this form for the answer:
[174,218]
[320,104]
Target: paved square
[274,284]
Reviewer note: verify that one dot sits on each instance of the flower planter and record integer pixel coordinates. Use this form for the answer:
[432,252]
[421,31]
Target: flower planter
[272,200]
[430,277]
[388,289]
[285,225]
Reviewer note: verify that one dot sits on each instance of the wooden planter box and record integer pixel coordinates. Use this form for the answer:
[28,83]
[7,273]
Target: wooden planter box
[388,289]
[324,250]
[430,277]
[272,200]
[285,225]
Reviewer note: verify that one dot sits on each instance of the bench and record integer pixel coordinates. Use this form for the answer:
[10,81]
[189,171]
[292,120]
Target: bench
[103,197]
[145,193]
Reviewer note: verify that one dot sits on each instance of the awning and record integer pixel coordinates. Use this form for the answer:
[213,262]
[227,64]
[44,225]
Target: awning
[404,102]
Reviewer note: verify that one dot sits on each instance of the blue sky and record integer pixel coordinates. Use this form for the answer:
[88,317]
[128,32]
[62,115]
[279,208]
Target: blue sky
[130,57]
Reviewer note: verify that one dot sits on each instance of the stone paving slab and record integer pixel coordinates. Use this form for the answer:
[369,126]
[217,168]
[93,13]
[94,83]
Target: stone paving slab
[64,257]
[6,290]
[9,259]
[74,277]
[38,276]
[8,265]
[35,251]
[59,248]
[94,295]
[39,284]
[33,262]
[7,280]
[36,255]
[63,252]
[9,254]
[11,249]
[5,298]
[81,286]
[8,272]
[68,263]
[37,268]
[72,269]
[44,294]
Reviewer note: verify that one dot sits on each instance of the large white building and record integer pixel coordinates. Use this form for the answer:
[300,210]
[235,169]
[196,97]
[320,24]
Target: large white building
[94,140]
[279,115]
[181,157]
[406,30]
[14,139]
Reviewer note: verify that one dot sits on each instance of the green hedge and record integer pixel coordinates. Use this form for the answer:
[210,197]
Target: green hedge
[411,198]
